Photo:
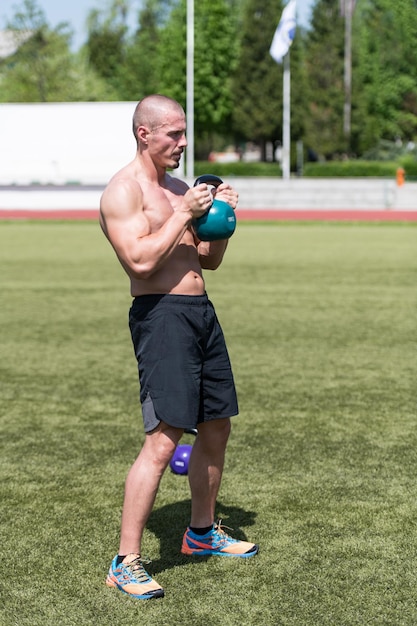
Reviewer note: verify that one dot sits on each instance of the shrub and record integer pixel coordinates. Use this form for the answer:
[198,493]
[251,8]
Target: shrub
[409,163]
[336,169]
[328,169]
[239,168]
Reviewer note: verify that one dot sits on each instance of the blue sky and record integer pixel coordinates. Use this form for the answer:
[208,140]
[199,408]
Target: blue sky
[75,12]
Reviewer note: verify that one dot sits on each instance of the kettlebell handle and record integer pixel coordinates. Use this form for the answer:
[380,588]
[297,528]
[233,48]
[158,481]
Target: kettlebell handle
[209,179]
[219,221]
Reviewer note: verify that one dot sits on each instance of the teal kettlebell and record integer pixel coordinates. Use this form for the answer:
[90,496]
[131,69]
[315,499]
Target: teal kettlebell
[219,222]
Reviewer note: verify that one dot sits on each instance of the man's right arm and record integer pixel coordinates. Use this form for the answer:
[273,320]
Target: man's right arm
[124,222]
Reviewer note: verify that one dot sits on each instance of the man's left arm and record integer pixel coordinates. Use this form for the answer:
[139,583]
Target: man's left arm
[211,252]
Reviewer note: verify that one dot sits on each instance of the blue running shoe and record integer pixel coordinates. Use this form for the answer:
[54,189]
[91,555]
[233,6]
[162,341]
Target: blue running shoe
[133,579]
[216,542]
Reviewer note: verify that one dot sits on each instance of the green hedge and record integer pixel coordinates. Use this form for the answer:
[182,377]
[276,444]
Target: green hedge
[382,169]
[329,169]
[409,163]
[237,169]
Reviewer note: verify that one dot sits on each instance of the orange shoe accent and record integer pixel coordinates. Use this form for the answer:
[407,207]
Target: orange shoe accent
[131,577]
[216,542]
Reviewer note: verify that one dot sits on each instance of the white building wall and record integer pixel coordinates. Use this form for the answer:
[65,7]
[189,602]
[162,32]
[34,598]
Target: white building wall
[59,143]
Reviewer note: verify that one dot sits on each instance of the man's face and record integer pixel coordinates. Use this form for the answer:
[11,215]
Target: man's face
[167,141]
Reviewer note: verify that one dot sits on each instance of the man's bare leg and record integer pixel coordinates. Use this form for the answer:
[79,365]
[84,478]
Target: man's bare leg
[205,473]
[205,470]
[142,484]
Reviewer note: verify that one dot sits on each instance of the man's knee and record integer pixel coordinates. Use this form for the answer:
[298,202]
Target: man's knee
[215,432]
[162,441]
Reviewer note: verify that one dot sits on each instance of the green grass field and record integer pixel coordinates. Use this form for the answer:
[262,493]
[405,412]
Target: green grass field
[321,468]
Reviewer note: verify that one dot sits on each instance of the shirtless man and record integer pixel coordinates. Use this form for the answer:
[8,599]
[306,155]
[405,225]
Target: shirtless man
[184,369]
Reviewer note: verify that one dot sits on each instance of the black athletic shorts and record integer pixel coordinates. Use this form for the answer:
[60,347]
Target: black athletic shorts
[184,368]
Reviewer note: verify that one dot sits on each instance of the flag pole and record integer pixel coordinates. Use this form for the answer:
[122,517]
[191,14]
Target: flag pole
[286,118]
[190,90]
[280,52]
[348,11]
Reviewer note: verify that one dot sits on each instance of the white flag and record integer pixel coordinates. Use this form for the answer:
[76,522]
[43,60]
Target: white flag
[284,33]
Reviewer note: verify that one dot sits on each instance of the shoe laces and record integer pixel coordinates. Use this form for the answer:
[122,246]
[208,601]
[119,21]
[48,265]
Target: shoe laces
[221,535]
[137,570]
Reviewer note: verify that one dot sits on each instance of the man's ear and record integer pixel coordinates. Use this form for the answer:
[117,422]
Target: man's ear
[142,133]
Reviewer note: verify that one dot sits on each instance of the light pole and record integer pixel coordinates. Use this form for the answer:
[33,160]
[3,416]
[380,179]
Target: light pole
[190,90]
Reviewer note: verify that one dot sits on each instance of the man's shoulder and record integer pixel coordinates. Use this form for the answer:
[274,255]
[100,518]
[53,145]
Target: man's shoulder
[176,185]
[122,196]
[122,183]
[124,178]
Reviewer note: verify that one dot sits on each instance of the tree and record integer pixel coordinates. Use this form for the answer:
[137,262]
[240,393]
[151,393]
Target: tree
[43,69]
[106,42]
[33,73]
[325,75]
[257,86]
[131,64]
[257,82]
[172,54]
[142,75]
[385,84]
[214,59]
[257,91]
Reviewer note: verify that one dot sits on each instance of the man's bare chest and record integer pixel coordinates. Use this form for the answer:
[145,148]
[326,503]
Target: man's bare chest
[159,205]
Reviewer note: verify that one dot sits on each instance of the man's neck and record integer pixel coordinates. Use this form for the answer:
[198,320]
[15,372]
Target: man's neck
[150,171]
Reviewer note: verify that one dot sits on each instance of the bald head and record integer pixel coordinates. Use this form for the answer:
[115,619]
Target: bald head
[152,110]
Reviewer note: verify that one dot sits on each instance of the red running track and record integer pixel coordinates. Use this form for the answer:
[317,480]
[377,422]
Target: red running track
[241,214]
